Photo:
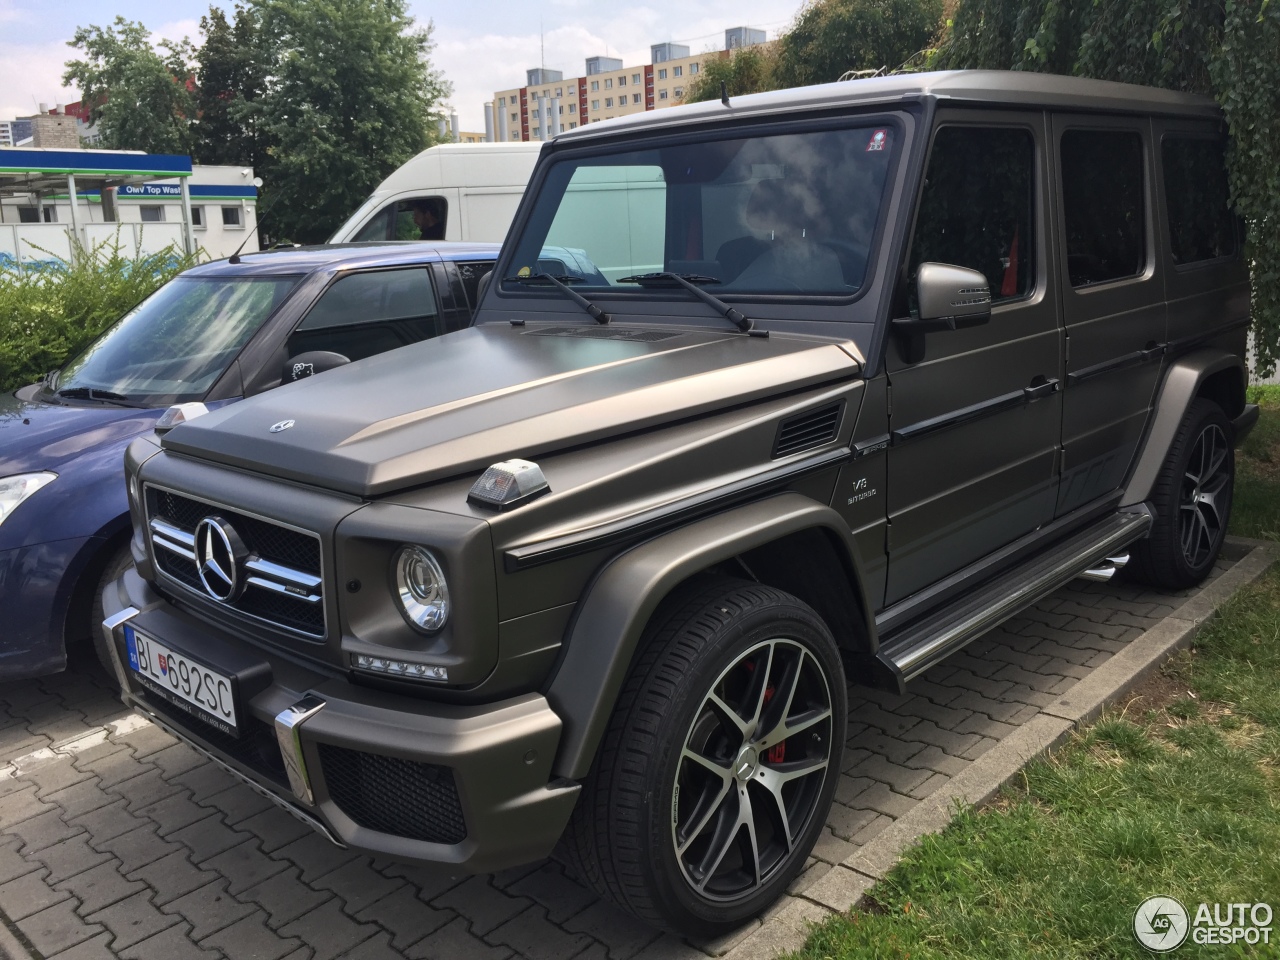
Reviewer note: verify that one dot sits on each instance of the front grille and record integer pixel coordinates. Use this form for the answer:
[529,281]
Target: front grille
[405,798]
[282,571]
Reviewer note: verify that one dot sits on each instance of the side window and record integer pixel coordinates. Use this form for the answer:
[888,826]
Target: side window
[378,228]
[363,314]
[422,218]
[471,272]
[1104,205]
[1201,224]
[419,218]
[977,209]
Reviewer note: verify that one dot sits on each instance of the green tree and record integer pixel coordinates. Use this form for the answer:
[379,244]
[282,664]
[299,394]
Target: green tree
[745,70]
[353,95]
[232,66]
[1227,50]
[831,37]
[138,95]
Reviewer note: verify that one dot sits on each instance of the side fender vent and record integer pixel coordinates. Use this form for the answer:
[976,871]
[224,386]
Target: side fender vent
[808,430]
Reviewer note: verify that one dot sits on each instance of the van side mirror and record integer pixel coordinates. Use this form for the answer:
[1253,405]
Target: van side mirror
[310,363]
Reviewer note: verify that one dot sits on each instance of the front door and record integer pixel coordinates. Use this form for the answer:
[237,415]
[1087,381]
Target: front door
[976,424]
[1112,299]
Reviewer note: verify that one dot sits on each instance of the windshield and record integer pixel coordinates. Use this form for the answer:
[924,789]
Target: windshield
[787,213]
[175,344]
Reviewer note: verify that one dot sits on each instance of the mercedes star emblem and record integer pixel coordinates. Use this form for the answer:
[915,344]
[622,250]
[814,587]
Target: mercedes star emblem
[282,425]
[219,553]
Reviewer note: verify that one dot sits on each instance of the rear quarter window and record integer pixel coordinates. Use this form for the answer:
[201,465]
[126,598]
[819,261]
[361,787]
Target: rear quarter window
[1201,224]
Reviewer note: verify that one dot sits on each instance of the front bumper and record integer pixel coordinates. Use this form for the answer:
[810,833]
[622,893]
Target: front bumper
[467,786]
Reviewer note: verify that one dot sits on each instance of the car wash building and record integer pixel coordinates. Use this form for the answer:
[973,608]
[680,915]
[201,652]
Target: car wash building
[55,202]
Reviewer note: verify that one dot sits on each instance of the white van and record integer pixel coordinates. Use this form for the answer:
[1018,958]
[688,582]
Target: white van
[455,191]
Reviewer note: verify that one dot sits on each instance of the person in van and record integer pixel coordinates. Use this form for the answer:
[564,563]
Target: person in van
[427,216]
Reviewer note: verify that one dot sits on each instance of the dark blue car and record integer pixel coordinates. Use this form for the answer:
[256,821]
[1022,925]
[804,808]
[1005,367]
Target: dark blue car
[215,334]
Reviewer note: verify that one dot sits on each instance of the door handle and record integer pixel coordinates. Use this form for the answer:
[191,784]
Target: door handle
[1038,390]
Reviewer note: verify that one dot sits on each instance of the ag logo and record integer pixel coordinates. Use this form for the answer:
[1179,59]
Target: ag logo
[1160,924]
[281,426]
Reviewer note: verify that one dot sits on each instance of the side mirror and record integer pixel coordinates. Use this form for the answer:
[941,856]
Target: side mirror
[310,363]
[950,298]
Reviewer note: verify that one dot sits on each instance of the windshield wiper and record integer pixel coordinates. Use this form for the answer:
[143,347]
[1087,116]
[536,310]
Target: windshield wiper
[690,282]
[562,284]
[92,393]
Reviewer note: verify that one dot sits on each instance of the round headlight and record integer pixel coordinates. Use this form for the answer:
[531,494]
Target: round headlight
[421,589]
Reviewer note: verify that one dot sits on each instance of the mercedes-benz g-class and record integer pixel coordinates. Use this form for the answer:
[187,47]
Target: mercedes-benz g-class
[767,396]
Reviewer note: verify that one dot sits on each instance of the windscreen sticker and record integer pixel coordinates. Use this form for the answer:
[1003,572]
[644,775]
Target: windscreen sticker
[877,141]
[524,272]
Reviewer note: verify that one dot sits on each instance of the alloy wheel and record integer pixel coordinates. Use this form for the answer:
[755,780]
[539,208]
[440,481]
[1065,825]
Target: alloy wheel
[1205,496]
[751,770]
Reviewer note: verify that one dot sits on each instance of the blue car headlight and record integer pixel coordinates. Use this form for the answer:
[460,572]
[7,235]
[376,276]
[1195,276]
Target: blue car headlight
[14,490]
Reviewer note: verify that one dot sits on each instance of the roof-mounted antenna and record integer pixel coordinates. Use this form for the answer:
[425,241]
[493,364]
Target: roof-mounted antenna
[257,221]
[724,93]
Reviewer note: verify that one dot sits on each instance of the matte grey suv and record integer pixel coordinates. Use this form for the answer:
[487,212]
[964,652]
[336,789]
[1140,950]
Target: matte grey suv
[768,396]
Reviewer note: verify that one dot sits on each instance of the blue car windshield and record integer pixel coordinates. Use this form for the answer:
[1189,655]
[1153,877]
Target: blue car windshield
[173,346]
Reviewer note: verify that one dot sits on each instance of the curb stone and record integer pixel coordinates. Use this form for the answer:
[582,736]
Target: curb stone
[787,926]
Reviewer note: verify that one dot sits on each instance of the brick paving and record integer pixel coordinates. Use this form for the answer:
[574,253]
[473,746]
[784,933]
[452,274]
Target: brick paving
[116,840]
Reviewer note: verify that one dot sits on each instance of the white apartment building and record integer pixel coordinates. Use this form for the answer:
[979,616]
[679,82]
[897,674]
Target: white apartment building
[549,103]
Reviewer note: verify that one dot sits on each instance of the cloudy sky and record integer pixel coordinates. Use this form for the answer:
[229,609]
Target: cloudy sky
[482,47]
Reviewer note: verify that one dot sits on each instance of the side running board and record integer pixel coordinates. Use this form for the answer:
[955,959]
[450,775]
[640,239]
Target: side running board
[915,647]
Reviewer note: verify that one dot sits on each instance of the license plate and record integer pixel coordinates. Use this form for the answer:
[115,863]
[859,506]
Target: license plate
[191,686]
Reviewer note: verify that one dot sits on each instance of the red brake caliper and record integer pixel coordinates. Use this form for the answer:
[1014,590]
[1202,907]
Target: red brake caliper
[778,752]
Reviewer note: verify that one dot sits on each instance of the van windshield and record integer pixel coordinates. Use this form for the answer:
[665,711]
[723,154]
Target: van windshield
[174,345]
[788,213]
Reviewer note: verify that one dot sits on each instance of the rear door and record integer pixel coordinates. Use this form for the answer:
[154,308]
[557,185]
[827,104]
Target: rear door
[1112,299]
[976,424]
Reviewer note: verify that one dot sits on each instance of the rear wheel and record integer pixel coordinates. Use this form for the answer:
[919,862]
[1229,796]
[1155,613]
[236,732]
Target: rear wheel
[1192,499]
[719,764]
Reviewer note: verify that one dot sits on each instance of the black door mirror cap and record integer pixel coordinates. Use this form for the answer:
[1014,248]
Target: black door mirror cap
[310,363]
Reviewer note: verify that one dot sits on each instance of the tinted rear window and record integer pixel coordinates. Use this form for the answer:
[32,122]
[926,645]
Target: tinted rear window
[1103,204]
[1201,224]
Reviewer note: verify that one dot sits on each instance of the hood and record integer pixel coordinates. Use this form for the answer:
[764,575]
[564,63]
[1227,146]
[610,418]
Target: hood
[44,436]
[458,403]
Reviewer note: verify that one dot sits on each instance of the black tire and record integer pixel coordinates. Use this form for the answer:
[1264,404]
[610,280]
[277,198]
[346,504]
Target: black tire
[119,561]
[1192,500]
[646,795]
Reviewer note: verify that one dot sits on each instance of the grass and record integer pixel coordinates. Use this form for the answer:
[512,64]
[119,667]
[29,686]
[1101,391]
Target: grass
[1175,792]
[1256,512]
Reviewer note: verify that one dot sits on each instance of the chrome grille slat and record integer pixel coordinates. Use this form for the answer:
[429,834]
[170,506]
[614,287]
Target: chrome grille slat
[280,588]
[174,539]
[279,572]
